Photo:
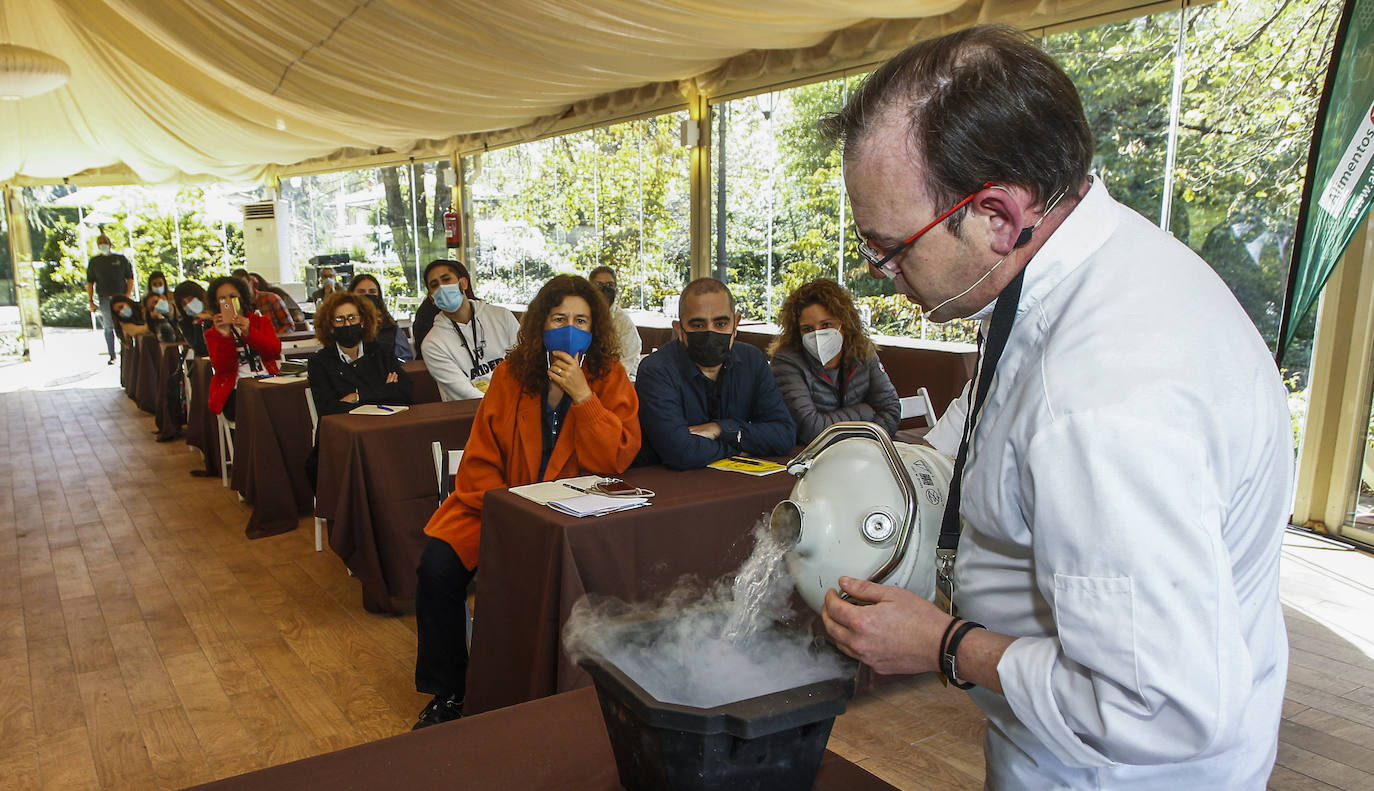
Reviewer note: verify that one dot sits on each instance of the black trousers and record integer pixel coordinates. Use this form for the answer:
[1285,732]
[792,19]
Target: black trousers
[441,663]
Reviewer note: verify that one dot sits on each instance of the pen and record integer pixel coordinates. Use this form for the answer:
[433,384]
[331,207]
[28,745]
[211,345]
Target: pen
[576,488]
[743,460]
[385,408]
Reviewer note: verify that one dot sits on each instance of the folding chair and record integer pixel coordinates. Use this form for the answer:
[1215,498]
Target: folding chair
[315,434]
[919,406]
[226,447]
[445,466]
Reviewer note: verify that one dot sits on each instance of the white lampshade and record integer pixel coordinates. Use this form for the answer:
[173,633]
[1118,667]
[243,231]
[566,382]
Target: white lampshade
[26,72]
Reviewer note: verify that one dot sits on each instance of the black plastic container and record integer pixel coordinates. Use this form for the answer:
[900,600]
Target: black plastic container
[771,742]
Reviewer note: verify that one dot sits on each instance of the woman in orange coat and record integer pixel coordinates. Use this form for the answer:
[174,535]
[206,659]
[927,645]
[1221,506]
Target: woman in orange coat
[559,406]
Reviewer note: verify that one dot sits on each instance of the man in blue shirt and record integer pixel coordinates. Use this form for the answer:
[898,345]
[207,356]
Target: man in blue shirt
[702,396]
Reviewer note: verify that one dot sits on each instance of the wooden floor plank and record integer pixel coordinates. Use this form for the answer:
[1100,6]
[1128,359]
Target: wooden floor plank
[121,760]
[221,735]
[176,756]
[66,762]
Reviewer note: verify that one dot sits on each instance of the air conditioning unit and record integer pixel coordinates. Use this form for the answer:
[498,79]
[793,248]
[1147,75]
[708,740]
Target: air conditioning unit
[267,240]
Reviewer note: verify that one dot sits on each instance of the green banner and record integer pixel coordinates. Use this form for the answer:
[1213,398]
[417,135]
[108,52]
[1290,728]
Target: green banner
[1340,182]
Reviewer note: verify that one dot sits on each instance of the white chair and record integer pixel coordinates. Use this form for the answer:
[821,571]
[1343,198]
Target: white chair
[226,447]
[919,406]
[314,435]
[445,465]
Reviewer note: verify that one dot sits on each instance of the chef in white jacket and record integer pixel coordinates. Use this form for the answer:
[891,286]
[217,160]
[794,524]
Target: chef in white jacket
[1127,478]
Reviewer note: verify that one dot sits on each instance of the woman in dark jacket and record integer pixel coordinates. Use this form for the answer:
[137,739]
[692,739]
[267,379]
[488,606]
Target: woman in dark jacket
[353,368]
[825,365]
[389,333]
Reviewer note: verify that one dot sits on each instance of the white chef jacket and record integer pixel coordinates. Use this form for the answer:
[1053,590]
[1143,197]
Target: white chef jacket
[1124,503]
[627,336]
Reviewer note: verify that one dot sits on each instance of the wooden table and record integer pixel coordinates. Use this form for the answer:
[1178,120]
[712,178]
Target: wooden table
[377,489]
[536,562]
[271,442]
[557,743]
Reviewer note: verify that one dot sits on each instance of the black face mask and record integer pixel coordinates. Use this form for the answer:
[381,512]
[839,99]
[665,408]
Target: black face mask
[607,289]
[349,335]
[377,300]
[706,348]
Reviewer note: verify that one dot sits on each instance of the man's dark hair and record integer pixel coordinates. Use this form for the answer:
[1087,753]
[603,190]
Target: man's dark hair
[239,273]
[458,269]
[704,285]
[984,104]
[600,270]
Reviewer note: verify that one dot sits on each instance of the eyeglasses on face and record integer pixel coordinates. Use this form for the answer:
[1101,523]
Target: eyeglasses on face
[875,257]
[340,321]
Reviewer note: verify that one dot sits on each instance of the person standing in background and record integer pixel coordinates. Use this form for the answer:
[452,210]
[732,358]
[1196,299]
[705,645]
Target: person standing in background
[108,274]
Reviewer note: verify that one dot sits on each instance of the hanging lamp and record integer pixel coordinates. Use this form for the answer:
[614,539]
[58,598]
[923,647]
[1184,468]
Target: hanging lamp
[26,72]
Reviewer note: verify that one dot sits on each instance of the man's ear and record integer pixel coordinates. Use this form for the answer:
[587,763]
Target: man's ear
[466,283]
[734,333]
[677,332]
[1005,211]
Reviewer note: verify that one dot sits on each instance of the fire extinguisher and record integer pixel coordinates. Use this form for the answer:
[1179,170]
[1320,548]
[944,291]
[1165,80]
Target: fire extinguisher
[453,228]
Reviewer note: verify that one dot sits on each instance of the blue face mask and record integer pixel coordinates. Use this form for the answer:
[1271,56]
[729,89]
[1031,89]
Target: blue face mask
[126,312]
[194,306]
[449,297]
[570,339]
[163,307]
[159,289]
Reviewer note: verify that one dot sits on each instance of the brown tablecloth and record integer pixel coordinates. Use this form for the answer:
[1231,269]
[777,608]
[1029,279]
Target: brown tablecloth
[202,428]
[554,743]
[536,562]
[942,373]
[426,389]
[165,412]
[148,353]
[271,440]
[377,488]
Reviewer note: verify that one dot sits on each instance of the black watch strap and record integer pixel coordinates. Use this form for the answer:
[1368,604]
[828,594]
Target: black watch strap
[951,650]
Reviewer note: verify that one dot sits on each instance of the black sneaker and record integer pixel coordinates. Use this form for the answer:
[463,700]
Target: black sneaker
[441,709]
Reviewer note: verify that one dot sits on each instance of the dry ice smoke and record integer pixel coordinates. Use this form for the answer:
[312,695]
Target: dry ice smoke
[711,647]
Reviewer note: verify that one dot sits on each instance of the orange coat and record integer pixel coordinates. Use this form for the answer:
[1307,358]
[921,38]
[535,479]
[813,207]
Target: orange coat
[599,436]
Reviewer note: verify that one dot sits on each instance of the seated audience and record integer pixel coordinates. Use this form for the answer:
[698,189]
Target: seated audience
[559,406]
[266,303]
[194,316]
[389,333]
[603,277]
[703,396]
[292,309]
[240,342]
[825,365]
[329,284]
[469,337]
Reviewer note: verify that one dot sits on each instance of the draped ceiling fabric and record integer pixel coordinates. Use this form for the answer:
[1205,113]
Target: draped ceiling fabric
[246,90]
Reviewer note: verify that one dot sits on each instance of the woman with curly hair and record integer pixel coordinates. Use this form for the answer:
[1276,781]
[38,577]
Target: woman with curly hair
[825,365]
[352,367]
[559,406]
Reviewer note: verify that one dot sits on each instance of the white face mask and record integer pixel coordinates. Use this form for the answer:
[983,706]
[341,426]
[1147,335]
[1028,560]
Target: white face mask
[823,345]
[194,306]
[104,249]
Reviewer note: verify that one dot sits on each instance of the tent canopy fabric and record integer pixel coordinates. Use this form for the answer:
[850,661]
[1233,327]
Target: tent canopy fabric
[247,90]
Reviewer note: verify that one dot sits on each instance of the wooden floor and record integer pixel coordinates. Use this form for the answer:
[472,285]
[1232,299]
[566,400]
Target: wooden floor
[146,644]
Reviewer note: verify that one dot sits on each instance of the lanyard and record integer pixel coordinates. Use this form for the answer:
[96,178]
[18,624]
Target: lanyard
[476,356]
[999,330]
